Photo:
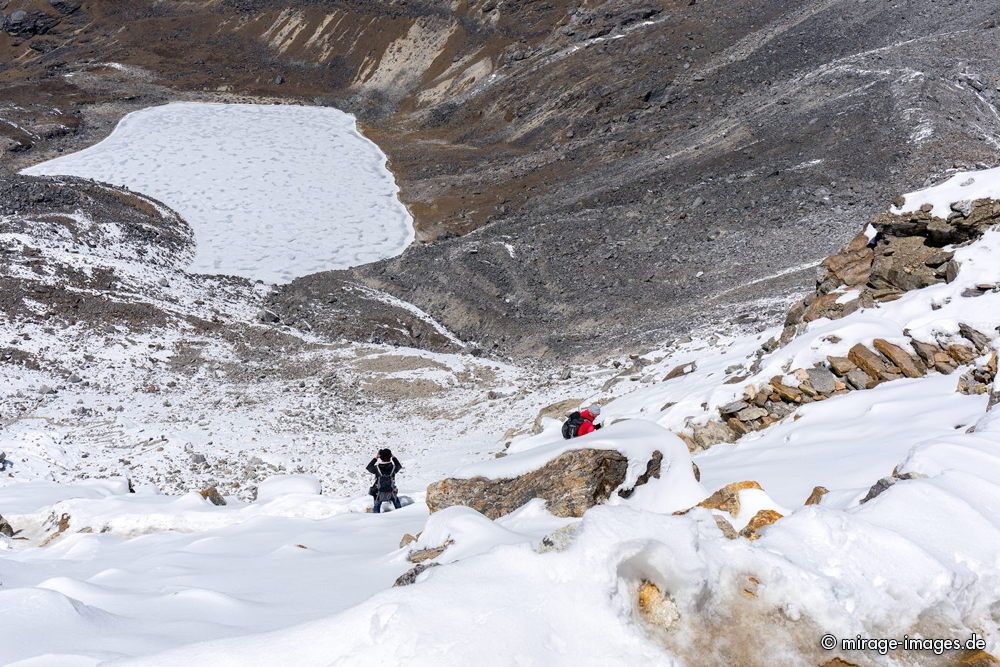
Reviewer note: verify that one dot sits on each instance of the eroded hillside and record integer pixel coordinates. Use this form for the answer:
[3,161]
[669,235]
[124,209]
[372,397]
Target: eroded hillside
[615,172]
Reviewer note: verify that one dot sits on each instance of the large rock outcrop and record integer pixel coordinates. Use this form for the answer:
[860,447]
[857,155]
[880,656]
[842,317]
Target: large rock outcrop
[570,484]
[907,253]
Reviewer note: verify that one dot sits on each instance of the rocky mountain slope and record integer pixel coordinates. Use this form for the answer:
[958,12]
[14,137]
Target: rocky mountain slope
[850,497]
[645,159]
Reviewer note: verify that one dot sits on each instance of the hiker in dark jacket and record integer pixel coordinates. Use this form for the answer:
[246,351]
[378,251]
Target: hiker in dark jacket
[384,466]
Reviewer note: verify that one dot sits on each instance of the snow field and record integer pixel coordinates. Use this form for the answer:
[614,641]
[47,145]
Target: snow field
[176,580]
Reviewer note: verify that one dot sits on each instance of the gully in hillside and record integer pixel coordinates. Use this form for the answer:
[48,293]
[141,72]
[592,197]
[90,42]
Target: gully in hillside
[384,466]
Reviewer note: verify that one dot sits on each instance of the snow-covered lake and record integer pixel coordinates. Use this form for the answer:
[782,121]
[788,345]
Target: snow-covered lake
[272,191]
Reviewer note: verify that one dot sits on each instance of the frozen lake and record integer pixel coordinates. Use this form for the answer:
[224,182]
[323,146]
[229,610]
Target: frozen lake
[272,192]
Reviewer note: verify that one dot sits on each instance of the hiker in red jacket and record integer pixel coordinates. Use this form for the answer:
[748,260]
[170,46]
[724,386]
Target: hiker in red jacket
[588,416]
[581,423]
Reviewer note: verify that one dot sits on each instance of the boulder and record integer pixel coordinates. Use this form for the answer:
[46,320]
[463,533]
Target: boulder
[943,363]
[822,380]
[570,484]
[655,607]
[267,316]
[817,495]
[910,367]
[981,341]
[786,393]
[733,408]
[679,371]
[925,351]
[6,528]
[212,495]
[761,519]
[727,499]
[26,24]
[841,365]
[963,354]
[408,539]
[751,413]
[858,379]
[873,364]
[850,267]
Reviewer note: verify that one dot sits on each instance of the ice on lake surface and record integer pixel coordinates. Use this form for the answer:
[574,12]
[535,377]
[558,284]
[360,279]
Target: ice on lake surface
[272,191]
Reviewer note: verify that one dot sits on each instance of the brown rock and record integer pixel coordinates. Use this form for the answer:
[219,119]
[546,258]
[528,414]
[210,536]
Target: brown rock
[759,520]
[211,494]
[750,413]
[977,658]
[871,363]
[741,428]
[963,354]
[655,607]
[841,365]
[944,364]
[726,527]
[858,379]
[925,351]
[407,539]
[950,271]
[688,440]
[57,526]
[679,371]
[727,499]
[570,484]
[817,495]
[786,393]
[980,340]
[823,306]
[911,367]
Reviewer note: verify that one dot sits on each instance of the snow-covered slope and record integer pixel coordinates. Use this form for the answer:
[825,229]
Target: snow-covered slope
[903,538]
[273,192]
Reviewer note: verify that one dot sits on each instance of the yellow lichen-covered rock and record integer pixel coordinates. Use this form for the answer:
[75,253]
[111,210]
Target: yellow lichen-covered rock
[655,607]
[727,499]
[817,495]
[759,520]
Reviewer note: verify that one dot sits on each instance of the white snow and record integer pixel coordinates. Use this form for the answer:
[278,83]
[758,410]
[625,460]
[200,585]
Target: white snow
[962,186]
[273,192]
[302,578]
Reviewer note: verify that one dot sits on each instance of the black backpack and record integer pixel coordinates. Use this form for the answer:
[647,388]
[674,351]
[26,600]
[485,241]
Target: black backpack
[383,484]
[572,425]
